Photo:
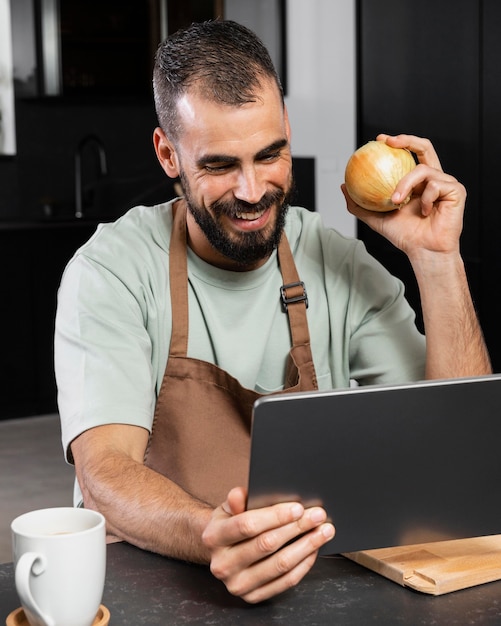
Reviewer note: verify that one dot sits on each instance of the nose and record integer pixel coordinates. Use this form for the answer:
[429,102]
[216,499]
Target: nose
[249,187]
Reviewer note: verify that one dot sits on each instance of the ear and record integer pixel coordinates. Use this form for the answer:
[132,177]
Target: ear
[166,153]
[287,124]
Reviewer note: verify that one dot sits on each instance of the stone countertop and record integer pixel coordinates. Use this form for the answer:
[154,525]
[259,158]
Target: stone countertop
[144,588]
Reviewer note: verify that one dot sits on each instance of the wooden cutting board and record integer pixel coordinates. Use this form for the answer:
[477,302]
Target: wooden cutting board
[439,567]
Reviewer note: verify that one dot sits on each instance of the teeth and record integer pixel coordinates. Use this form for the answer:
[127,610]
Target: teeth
[249,216]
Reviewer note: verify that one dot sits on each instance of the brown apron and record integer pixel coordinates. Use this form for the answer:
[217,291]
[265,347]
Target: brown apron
[200,436]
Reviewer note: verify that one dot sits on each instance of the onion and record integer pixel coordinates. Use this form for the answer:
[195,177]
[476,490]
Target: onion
[373,172]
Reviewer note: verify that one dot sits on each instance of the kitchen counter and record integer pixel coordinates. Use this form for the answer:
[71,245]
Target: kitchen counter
[144,588]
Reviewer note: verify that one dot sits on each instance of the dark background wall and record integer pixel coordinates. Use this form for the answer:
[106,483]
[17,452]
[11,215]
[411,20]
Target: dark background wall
[48,132]
[434,69]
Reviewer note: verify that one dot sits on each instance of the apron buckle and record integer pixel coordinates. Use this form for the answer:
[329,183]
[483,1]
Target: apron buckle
[293,298]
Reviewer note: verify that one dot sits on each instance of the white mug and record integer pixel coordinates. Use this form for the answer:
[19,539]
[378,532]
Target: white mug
[60,565]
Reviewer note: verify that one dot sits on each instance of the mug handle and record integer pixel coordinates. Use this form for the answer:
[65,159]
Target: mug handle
[31,563]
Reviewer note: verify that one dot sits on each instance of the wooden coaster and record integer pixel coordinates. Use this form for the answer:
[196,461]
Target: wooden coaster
[18,618]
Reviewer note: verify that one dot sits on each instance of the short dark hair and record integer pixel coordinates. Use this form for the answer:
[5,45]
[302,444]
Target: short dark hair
[225,61]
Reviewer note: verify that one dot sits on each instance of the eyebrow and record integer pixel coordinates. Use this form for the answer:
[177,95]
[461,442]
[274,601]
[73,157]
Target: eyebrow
[226,158]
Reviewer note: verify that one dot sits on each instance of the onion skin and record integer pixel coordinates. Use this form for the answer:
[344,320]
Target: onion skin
[372,173]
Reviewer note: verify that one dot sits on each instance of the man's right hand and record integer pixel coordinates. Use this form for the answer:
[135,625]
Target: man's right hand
[263,552]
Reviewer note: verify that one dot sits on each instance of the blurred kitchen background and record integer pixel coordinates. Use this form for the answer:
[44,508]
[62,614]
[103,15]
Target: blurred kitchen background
[76,121]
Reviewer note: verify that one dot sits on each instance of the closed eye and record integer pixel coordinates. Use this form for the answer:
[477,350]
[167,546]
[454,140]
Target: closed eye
[272,156]
[273,151]
[215,168]
[216,163]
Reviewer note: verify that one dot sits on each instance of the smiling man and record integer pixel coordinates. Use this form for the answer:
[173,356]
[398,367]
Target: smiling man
[235,166]
[172,321]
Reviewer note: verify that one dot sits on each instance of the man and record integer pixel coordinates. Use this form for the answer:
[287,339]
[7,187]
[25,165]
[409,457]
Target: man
[173,320]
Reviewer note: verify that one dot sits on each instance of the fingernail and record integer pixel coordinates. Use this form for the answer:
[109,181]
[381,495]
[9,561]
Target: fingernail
[328,531]
[317,515]
[297,510]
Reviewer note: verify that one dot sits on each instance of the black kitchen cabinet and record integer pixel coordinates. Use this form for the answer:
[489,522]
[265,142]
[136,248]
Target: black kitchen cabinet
[99,48]
[33,257]
[433,69]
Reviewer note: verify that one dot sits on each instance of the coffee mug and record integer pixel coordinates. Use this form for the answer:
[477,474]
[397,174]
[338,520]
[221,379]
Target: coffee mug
[60,565]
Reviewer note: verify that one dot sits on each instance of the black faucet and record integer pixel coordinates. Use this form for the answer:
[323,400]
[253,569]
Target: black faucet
[89,140]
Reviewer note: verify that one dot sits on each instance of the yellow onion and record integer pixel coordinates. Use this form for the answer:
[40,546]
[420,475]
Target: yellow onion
[372,173]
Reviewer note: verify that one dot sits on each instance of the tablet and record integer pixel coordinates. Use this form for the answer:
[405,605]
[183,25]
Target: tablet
[392,465]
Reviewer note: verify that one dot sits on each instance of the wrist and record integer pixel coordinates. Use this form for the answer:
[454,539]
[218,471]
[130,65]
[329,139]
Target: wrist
[436,266]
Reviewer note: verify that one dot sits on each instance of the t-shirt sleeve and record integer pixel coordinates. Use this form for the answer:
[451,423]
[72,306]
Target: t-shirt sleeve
[385,344]
[102,352]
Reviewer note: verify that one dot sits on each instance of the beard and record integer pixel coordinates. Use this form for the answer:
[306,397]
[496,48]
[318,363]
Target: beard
[243,248]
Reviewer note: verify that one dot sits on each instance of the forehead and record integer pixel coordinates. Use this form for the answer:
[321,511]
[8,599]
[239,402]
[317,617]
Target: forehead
[210,127]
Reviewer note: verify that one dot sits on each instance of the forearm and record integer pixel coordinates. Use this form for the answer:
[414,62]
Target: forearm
[454,339]
[144,508]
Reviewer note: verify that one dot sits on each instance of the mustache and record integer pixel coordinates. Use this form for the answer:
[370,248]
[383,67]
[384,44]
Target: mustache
[231,208]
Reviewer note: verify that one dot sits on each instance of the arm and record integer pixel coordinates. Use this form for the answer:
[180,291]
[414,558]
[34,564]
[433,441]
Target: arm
[140,505]
[246,549]
[428,229]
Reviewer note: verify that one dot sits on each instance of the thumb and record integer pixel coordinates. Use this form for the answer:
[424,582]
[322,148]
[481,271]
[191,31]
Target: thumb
[235,501]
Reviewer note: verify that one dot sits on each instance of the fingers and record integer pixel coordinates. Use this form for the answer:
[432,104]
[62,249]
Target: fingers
[280,571]
[280,584]
[432,186]
[236,501]
[227,529]
[427,180]
[422,181]
[270,539]
[262,552]
[422,148]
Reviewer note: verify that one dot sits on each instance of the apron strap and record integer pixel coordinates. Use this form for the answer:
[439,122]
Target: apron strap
[178,275]
[293,293]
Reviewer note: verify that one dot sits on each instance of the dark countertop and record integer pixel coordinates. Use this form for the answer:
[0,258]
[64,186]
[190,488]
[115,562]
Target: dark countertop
[144,588]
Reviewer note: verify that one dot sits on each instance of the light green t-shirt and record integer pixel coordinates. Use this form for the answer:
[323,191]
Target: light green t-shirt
[113,320]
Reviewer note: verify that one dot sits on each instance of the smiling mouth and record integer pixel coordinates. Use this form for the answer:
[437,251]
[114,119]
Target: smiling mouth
[250,215]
